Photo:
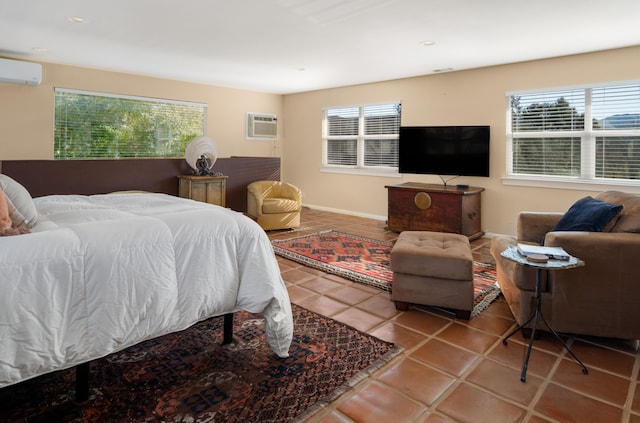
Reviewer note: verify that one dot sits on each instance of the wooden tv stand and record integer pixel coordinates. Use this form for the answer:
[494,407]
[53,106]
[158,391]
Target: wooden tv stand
[415,206]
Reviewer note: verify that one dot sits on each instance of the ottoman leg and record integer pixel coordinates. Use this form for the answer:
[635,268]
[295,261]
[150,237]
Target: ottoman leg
[402,306]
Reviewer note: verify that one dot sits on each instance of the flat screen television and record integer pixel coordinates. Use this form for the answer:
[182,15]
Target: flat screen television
[444,150]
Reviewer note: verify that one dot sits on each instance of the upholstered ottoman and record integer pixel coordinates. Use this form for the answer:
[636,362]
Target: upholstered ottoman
[433,268]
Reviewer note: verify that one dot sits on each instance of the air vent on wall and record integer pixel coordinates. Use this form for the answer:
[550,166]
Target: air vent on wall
[262,126]
[19,72]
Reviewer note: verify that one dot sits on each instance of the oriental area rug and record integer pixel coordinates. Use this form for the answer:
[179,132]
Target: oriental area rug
[367,261]
[189,377]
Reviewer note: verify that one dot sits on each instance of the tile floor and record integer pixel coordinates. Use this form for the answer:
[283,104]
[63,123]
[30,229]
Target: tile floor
[455,370]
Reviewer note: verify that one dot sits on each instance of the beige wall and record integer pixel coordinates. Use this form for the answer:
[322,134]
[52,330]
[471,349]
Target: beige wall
[455,98]
[474,97]
[26,112]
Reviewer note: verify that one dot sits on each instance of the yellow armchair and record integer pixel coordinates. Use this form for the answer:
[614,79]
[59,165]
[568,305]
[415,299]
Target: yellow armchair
[274,204]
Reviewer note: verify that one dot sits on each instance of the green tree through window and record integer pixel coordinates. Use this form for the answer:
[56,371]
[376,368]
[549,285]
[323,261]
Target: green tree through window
[95,125]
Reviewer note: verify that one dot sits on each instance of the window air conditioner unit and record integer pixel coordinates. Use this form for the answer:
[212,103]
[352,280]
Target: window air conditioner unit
[19,72]
[262,126]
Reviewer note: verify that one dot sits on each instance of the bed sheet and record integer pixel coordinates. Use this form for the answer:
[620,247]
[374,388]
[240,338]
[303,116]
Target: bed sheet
[101,273]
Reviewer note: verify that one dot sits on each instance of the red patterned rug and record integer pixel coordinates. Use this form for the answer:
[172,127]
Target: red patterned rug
[189,377]
[366,261]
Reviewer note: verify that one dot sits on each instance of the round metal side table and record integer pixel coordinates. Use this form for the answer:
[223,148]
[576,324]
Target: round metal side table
[511,253]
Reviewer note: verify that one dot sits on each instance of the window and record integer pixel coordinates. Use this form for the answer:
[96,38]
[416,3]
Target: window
[361,138]
[96,125]
[586,134]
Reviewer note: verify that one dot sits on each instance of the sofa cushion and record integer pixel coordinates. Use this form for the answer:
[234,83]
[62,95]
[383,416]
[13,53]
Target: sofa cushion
[629,219]
[588,214]
[279,205]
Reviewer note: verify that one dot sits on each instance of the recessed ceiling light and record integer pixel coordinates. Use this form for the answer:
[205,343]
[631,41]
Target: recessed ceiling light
[427,43]
[443,70]
[40,49]
[77,19]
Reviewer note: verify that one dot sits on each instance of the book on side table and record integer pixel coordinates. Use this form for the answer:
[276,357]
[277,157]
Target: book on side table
[555,253]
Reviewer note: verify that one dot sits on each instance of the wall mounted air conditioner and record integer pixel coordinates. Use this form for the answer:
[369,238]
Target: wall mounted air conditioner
[262,126]
[19,72]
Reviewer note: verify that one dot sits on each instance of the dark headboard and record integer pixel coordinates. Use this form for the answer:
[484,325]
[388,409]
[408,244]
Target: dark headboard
[45,177]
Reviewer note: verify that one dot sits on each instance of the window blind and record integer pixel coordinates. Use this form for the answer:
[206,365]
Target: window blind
[363,136]
[588,133]
[99,125]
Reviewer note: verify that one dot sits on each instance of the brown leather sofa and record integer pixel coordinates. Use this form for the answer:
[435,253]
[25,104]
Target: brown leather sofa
[274,204]
[601,298]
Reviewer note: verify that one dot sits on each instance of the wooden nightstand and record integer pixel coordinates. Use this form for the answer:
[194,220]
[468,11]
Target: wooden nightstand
[208,189]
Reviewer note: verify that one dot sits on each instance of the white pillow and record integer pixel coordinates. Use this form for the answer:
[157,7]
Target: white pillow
[22,209]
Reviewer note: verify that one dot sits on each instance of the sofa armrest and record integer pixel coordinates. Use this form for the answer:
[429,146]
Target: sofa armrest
[508,271]
[533,226]
[599,298]
[608,249]
[291,192]
[256,193]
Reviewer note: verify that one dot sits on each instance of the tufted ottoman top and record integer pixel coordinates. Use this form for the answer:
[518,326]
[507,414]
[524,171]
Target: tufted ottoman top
[433,254]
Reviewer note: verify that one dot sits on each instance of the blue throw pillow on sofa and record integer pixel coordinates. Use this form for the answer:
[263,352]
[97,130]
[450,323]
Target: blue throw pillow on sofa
[588,214]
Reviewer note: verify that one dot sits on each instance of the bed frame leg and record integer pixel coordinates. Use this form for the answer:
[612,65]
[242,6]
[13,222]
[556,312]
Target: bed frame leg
[82,382]
[228,329]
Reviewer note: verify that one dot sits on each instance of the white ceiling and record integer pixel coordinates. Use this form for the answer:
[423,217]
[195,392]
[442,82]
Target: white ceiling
[287,46]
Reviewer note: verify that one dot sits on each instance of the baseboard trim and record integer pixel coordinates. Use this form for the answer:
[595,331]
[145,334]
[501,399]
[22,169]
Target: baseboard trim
[347,212]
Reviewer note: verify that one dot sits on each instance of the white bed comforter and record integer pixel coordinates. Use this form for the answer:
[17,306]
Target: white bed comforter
[101,273]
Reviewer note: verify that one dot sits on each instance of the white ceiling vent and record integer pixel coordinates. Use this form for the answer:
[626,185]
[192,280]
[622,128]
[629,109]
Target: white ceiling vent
[19,72]
[262,126]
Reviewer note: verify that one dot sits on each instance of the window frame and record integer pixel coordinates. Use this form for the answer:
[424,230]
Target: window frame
[587,180]
[115,96]
[360,168]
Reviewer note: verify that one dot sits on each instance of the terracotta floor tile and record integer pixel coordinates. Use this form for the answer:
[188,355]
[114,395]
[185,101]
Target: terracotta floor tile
[468,404]
[593,355]
[286,265]
[298,294]
[349,295]
[422,321]
[323,305]
[437,418]
[338,279]
[358,319]
[500,308]
[602,385]
[491,324]
[332,417]
[544,341]
[418,381]
[321,285]
[380,305]
[634,418]
[378,403]
[446,357]
[567,406]
[296,276]
[537,419]
[505,381]
[513,355]
[392,332]
[468,337]
[635,405]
